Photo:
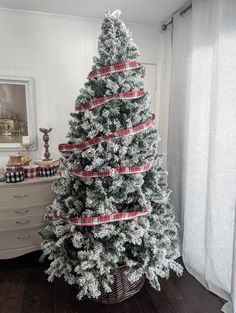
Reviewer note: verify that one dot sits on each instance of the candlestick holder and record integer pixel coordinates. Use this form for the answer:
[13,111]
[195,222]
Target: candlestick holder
[46,140]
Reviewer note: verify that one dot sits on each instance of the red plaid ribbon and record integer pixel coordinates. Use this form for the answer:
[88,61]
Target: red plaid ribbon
[102,219]
[97,102]
[31,172]
[14,167]
[115,68]
[14,171]
[118,170]
[66,147]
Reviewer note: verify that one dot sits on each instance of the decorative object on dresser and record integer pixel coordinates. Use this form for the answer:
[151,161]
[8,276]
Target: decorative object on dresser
[45,132]
[15,158]
[22,209]
[26,144]
[14,173]
[48,168]
[31,171]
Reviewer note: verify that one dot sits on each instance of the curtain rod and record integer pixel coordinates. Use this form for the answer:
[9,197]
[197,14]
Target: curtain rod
[182,12]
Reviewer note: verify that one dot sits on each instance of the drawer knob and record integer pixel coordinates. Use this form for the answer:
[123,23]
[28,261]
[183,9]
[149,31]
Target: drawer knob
[22,212]
[24,238]
[22,222]
[21,196]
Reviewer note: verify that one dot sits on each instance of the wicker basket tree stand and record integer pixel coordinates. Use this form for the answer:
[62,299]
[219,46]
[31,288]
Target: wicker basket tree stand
[122,288]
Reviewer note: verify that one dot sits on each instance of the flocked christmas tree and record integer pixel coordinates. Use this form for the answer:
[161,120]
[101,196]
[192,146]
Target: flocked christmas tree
[112,203]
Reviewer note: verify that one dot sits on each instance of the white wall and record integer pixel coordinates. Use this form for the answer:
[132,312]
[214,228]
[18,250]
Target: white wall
[57,51]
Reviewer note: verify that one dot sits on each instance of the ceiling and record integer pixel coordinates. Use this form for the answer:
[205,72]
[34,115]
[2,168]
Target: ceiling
[135,11]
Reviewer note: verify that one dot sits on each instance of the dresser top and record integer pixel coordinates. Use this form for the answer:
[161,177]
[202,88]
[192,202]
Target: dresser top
[29,181]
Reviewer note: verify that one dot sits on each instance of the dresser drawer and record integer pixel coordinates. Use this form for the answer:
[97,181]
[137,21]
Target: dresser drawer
[23,212]
[21,222]
[20,238]
[21,196]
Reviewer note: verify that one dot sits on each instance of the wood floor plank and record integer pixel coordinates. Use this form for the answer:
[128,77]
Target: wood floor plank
[14,290]
[24,289]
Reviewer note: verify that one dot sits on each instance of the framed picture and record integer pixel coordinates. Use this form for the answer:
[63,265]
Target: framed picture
[17,112]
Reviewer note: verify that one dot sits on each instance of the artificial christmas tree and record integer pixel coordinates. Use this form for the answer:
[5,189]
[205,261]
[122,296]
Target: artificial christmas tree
[112,216]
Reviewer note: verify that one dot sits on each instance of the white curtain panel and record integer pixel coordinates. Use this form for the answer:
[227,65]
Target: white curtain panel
[202,142]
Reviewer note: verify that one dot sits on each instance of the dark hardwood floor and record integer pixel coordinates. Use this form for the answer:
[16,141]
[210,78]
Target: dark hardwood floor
[24,289]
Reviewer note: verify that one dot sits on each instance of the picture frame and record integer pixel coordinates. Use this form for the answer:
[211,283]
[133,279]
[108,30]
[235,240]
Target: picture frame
[17,112]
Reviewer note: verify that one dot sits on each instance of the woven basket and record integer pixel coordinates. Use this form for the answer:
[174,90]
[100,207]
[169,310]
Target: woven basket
[122,288]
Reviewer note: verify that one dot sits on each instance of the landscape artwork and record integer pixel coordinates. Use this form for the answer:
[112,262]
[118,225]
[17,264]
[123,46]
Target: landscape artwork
[13,113]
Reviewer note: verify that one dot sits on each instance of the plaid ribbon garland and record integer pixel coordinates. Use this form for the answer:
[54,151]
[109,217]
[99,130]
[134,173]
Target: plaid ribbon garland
[115,68]
[102,219]
[66,147]
[118,170]
[97,102]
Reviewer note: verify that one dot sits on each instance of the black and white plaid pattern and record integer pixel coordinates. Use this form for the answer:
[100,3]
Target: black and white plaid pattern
[14,176]
[47,171]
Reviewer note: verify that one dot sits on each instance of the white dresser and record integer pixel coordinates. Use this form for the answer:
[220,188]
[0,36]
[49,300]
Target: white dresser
[22,209]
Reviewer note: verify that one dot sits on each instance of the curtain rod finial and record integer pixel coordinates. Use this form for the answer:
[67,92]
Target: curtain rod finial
[164,27]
